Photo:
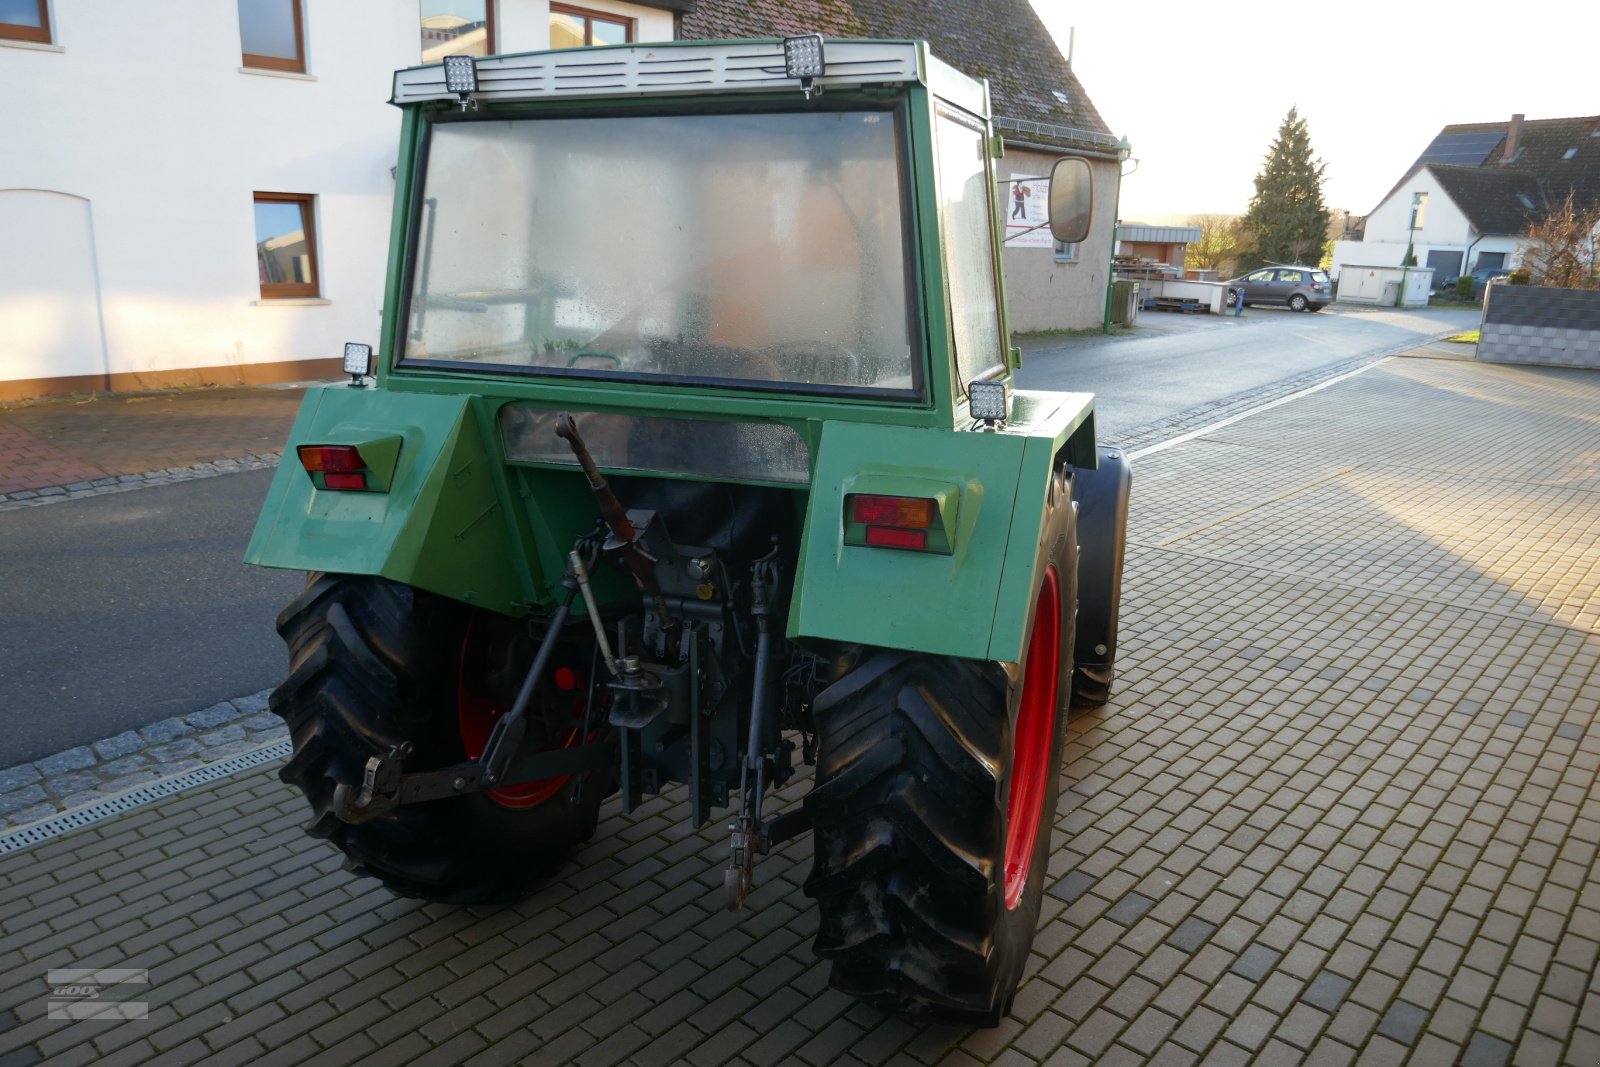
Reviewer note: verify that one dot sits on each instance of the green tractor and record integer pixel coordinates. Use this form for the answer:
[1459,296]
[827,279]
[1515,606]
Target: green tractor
[692,450]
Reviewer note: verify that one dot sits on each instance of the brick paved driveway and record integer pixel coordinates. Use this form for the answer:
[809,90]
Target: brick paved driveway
[1343,809]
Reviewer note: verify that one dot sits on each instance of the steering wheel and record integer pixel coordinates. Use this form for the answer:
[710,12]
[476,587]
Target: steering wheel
[594,353]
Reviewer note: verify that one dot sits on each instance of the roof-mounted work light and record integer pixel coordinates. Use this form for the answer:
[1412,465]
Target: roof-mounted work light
[461,77]
[803,59]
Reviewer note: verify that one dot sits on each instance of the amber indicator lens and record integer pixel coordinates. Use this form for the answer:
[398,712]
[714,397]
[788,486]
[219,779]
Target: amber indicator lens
[900,512]
[341,458]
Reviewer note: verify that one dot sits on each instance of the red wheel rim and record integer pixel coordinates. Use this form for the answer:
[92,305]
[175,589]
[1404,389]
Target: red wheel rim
[1034,737]
[476,715]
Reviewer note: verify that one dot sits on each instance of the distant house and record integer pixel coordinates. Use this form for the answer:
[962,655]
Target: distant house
[1468,200]
[1041,112]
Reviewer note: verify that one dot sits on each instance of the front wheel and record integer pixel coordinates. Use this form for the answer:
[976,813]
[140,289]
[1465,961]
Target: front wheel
[1233,297]
[374,664]
[935,798]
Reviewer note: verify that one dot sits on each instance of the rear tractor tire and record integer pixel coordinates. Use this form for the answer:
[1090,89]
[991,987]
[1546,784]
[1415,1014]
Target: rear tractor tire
[936,787]
[374,664]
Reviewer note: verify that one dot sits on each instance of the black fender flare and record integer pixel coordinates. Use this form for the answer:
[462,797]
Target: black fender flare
[1102,498]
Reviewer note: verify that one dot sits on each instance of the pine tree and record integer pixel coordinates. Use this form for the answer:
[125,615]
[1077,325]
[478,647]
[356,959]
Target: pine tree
[1287,217]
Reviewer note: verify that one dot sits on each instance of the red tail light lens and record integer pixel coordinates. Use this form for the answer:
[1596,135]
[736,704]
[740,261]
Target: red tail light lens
[345,481]
[888,537]
[339,458]
[900,512]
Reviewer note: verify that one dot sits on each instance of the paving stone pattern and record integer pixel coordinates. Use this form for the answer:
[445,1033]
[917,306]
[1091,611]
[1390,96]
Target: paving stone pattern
[1308,828]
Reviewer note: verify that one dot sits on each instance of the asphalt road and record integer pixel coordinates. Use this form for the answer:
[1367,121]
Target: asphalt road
[1171,363]
[123,609]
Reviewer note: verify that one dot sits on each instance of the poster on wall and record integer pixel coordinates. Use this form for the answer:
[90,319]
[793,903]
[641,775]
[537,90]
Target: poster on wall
[1027,213]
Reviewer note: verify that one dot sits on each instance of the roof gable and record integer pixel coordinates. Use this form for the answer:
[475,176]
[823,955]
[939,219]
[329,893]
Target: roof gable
[1003,41]
[1553,157]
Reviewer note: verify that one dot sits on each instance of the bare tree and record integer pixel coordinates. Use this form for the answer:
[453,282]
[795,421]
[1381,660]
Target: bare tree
[1222,241]
[1563,249]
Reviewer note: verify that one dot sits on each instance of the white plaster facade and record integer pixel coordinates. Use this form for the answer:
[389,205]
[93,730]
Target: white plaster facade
[133,146]
[1444,227]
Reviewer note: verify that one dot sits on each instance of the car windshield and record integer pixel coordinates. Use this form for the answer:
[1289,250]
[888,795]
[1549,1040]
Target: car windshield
[744,249]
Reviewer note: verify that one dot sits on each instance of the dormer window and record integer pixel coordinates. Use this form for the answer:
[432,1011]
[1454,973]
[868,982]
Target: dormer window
[1569,153]
[1523,199]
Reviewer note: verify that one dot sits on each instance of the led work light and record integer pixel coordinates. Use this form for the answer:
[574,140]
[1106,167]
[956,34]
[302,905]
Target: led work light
[989,401]
[357,361]
[802,58]
[461,77]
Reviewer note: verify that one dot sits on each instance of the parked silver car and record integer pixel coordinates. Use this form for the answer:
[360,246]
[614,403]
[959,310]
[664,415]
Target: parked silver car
[1297,288]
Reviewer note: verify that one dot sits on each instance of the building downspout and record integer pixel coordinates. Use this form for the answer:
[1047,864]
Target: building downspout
[1123,148]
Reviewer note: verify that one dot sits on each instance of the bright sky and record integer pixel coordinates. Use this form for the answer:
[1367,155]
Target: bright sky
[1200,91]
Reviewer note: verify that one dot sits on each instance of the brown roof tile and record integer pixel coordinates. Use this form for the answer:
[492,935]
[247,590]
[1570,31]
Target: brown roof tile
[1002,40]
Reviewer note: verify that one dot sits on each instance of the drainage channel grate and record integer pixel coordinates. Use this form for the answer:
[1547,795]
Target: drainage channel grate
[78,818]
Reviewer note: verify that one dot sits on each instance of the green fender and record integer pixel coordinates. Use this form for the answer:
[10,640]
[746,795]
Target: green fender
[972,602]
[439,526]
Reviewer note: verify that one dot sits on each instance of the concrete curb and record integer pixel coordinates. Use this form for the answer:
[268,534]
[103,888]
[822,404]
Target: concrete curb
[51,494]
[89,774]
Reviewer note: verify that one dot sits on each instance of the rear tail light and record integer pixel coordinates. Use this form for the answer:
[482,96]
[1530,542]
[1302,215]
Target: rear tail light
[908,522]
[887,537]
[903,512]
[331,458]
[340,466]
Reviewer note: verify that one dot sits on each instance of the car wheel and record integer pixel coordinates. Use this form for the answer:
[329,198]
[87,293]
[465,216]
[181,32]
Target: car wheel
[1233,297]
[1298,303]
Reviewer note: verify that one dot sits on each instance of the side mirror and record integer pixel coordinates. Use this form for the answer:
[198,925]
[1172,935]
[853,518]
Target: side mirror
[1071,199]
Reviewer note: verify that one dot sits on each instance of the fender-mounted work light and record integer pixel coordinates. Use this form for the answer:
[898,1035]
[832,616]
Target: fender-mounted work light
[989,401]
[357,362]
[803,59]
[461,77]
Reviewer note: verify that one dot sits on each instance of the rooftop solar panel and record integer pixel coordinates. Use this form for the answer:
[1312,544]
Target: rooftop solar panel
[1461,149]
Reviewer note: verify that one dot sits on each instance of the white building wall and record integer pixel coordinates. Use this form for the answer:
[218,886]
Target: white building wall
[142,116]
[1444,228]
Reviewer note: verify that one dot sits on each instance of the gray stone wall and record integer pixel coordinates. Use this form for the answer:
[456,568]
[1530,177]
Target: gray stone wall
[1541,326]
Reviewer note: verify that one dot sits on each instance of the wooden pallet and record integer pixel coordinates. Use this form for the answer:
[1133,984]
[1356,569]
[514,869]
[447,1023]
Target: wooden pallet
[1172,303]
